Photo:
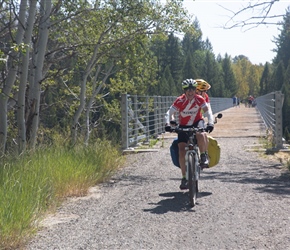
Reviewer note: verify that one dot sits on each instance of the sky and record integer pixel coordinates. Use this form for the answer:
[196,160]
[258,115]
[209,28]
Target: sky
[256,44]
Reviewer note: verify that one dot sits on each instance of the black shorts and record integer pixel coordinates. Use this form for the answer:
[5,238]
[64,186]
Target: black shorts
[183,136]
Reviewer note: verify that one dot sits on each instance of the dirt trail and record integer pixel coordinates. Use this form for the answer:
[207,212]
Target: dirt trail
[244,201]
[240,122]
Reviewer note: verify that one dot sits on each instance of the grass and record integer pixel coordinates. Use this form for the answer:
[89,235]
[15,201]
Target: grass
[282,156]
[34,184]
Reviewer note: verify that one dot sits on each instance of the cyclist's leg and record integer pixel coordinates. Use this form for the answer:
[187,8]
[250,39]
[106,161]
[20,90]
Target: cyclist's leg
[182,142]
[181,147]
[202,142]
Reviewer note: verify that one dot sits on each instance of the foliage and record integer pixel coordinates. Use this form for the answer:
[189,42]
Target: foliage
[277,78]
[265,80]
[229,80]
[286,104]
[174,59]
[35,183]
[281,72]
[282,42]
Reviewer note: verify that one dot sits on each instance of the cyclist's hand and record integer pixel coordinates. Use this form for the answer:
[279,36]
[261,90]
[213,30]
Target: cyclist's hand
[167,128]
[209,128]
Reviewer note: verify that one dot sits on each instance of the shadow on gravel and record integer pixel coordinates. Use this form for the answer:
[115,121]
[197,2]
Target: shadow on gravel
[129,180]
[174,202]
[267,183]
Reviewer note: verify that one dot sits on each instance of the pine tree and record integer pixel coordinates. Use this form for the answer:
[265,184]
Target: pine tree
[188,67]
[170,89]
[174,58]
[229,77]
[286,104]
[211,73]
[283,42]
[265,80]
[278,77]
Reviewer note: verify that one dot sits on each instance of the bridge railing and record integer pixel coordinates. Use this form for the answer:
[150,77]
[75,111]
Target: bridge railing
[143,116]
[270,107]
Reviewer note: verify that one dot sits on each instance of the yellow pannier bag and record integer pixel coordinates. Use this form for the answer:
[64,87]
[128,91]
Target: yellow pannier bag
[214,151]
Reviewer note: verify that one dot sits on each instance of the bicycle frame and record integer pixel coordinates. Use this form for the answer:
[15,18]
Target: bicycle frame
[192,162]
[192,166]
[192,148]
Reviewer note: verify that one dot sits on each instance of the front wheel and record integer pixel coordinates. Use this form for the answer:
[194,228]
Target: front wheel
[192,180]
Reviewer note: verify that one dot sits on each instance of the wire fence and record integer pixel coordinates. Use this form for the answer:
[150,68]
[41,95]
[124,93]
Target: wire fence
[270,107]
[143,116]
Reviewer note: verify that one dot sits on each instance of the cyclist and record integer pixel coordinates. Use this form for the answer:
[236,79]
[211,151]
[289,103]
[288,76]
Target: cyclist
[202,88]
[189,106]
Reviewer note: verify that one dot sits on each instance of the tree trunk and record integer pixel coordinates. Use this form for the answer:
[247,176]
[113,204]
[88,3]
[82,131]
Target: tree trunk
[39,61]
[96,90]
[12,63]
[23,79]
[82,98]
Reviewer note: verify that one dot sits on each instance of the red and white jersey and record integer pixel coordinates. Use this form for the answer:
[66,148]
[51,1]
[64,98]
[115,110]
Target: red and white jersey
[189,111]
[206,97]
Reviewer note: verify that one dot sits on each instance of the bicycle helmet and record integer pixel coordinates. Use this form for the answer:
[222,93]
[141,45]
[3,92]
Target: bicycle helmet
[202,85]
[189,83]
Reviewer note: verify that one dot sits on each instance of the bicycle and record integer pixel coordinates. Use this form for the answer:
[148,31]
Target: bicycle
[192,159]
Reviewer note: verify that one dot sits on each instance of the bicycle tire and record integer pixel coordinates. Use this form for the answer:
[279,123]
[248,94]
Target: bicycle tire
[192,181]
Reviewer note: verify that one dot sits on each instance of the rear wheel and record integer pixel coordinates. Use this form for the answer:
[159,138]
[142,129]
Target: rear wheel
[192,181]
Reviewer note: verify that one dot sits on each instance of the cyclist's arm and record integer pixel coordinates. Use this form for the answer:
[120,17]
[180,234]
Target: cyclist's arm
[169,116]
[208,113]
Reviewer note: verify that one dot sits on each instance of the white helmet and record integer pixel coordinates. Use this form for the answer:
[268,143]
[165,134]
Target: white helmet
[189,83]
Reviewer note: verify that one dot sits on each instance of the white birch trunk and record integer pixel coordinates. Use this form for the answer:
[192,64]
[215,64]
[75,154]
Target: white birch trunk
[94,81]
[88,70]
[83,91]
[23,79]
[90,103]
[40,55]
[11,76]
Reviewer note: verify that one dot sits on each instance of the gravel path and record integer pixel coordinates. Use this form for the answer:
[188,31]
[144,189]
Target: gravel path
[244,203]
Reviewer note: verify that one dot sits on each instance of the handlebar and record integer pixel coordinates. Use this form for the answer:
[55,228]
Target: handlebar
[174,127]
[177,129]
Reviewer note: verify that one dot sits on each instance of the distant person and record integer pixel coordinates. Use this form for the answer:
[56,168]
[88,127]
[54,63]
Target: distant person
[250,101]
[254,103]
[235,101]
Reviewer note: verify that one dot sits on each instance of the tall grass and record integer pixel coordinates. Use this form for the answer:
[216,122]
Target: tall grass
[34,183]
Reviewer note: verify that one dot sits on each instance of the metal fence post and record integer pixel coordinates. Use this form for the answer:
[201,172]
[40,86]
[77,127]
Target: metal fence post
[279,98]
[147,119]
[159,114]
[125,124]
[135,111]
[155,116]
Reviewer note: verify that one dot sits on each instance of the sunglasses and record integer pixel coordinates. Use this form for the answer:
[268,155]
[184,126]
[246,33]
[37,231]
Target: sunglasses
[190,88]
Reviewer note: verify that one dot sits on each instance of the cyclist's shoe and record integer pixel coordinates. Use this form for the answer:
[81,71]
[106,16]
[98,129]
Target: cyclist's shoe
[204,161]
[183,184]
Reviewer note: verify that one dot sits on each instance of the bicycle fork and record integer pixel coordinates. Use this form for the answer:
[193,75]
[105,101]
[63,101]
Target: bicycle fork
[195,156]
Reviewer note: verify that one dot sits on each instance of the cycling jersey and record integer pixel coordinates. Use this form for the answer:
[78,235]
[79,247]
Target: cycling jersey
[189,111]
[206,97]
